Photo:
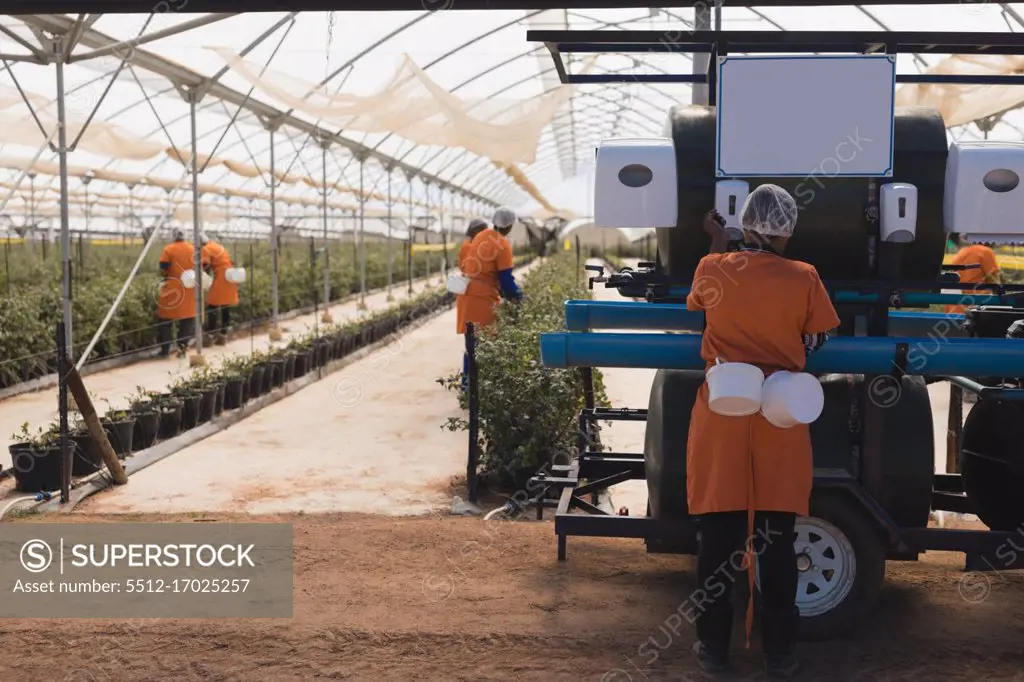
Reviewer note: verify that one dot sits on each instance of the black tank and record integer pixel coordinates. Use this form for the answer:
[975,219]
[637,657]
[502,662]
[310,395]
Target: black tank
[832,230]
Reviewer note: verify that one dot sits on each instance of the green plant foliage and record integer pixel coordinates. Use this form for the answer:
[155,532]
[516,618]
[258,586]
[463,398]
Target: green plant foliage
[30,293]
[528,413]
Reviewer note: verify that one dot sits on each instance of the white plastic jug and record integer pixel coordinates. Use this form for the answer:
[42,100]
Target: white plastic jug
[734,389]
[188,279]
[791,398]
[235,275]
[458,283]
[207,282]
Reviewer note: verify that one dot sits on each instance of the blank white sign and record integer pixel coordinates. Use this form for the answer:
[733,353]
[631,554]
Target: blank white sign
[805,116]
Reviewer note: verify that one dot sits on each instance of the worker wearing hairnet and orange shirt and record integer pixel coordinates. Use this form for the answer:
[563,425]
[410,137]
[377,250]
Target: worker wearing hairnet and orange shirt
[223,295]
[743,473]
[985,270]
[488,265]
[177,304]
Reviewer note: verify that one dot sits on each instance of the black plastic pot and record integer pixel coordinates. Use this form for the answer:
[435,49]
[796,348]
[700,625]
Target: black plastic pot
[218,397]
[35,470]
[147,426]
[233,391]
[301,364]
[268,378]
[256,382]
[120,435]
[190,414]
[278,378]
[86,457]
[207,403]
[170,419]
[289,366]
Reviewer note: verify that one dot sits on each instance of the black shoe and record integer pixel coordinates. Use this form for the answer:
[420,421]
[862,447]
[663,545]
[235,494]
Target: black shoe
[708,660]
[782,665]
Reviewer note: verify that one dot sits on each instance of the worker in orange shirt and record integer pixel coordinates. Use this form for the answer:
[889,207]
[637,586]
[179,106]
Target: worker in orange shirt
[986,270]
[223,295]
[488,265]
[743,473]
[177,305]
[476,226]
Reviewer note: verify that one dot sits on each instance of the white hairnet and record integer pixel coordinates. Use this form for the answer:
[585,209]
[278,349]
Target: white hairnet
[504,217]
[476,224]
[769,211]
[203,238]
[178,234]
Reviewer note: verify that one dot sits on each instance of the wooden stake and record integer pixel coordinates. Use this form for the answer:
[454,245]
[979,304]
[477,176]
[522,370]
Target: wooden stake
[92,420]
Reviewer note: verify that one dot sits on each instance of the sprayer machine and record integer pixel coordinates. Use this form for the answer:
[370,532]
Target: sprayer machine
[879,189]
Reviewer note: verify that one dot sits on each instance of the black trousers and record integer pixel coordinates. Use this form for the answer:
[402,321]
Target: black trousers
[185,330]
[218,318]
[720,563]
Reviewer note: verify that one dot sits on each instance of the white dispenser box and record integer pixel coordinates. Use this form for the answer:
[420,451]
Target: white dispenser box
[898,206]
[730,195]
[635,183]
[984,196]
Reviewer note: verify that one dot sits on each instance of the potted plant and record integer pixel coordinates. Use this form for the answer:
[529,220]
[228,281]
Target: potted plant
[85,458]
[171,412]
[146,410]
[36,467]
[203,381]
[120,428]
[191,402]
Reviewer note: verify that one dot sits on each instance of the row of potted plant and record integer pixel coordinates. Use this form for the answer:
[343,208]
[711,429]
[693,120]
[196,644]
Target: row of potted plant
[204,394]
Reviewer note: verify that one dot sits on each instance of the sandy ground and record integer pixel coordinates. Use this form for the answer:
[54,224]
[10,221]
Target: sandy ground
[455,599]
[116,385]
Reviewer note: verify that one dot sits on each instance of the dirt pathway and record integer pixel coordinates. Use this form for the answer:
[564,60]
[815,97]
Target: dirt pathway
[455,599]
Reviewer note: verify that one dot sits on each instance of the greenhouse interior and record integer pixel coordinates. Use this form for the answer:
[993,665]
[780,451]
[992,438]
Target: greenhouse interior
[236,247]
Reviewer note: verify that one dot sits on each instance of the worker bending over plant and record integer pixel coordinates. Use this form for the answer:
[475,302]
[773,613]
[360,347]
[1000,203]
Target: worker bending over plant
[223,295]
[487,262]
[176,304]
[743,473]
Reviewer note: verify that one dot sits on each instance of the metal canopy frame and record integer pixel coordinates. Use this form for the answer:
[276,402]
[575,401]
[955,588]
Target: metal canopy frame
[15,7]
[721,43]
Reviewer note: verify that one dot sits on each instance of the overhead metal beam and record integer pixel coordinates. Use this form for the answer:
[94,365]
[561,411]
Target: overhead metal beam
[20,7]
[130,45]
[186,78]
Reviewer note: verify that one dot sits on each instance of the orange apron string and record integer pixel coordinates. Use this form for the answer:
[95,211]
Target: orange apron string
[749,542]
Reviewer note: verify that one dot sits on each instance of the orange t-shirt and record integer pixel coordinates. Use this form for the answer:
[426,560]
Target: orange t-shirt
[176,302]
[975,254]
[489,253]
[222,292]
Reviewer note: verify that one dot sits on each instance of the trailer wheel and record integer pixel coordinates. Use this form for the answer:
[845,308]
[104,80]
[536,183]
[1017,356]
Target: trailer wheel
[841,564]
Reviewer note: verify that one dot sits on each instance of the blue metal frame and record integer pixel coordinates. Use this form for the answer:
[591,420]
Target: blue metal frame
[723,60]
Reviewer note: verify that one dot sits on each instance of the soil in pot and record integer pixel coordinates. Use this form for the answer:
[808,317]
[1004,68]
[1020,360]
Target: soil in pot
[207,403]
[86,457]
[278,379]
[120,435]
[35,469]
[170,419]
[147,427]
[190,414]
[233,391]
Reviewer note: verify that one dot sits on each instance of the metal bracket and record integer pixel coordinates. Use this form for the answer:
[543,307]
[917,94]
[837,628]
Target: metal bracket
[600,275]
[899,363]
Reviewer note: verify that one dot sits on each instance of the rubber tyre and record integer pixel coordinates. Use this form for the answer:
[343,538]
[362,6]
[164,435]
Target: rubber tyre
[869,564]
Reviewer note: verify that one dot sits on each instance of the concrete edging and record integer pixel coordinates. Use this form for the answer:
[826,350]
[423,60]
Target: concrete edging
[165,449]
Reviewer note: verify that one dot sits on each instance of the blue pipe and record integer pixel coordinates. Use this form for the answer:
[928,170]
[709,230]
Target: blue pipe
[909,298]
[842,355]
[582,316]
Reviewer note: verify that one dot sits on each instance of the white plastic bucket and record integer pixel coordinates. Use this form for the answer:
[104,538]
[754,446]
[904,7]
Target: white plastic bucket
[791,398]
[734,389]
[188,279]
[458,283]
[235,275]
[207,282]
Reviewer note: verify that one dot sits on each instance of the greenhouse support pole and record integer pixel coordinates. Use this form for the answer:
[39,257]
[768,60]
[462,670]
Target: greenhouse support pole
[324,145]
[362,232]
[273,232]
[391,262]
[65,226]
[408,256]
[443,265]
[193,98]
